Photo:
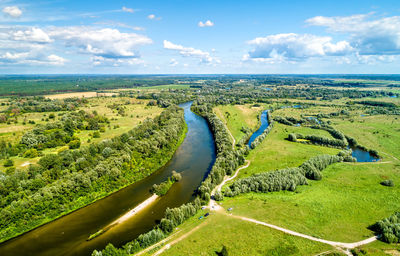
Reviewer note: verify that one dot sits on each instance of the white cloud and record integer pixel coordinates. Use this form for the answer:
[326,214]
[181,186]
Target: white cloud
[296,47]
[35,35]
[108,43]
[56,60]
[126,9]
[153,17]
[31,58]
[204,57]
[12,11]
[173,62]
[369,36]
[208,23]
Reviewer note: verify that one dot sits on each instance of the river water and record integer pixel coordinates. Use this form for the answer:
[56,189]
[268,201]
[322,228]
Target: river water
[68,235]
[264,125]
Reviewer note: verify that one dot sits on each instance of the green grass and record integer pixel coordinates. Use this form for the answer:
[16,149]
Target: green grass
[381,132]
[340,207]
[379,248]
[277,153]
[242,238]
[166,86]
[237,116]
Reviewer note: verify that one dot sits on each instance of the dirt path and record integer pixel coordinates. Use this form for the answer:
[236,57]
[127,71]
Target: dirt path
[294,233]
[167,246]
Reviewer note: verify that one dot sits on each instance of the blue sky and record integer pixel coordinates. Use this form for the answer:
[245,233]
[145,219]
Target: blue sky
[189,37]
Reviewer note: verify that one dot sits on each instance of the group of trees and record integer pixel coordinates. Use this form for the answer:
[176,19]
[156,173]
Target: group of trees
[73,178]
[318,140]
[286,179]
[57,133]
[41,104]
[162,188]
[389,228]
[228,158]
[172,218]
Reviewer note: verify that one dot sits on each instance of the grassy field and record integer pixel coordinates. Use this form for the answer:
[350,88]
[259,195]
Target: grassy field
[166,86]
[277,153]
[77,95]
[238,116]
[381,132]
[135,112]
[241,238]
[340,207]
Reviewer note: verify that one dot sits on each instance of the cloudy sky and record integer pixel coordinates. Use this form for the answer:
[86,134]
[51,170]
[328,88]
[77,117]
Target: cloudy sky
[191,36]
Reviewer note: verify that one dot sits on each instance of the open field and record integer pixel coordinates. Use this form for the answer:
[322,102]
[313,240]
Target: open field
[238,116]
[275,152]
[241,238]
[340,207]
[78,95]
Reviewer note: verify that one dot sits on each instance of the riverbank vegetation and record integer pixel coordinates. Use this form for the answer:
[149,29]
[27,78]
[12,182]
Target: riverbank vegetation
[63,182]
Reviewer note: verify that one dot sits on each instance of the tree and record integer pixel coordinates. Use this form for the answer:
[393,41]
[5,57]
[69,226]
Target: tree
[74,144]
[176,176]
[8,163]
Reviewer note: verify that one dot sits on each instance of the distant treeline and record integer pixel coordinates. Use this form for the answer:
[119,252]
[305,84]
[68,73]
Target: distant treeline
[39,85]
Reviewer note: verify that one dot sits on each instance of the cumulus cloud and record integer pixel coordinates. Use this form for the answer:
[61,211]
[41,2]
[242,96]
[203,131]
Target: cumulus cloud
[31,58]
[12,11]
[208,23]
[296,47]
[204,57]
[107,43]
[33,34]
[369,36]
[126,9]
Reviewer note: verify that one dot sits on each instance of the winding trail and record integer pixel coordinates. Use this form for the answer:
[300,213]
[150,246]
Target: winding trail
[345,246]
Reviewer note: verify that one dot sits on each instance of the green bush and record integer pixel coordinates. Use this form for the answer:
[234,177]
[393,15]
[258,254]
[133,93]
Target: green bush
[8,163]
[31,153]
[74,144]
[388,183]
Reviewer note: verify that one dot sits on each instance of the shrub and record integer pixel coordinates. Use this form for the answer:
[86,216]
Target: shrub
[74,144]
[388,183]
[31,153]
[8,163]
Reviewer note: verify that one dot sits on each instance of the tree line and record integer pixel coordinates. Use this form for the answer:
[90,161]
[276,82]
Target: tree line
[172,218]
[286,179]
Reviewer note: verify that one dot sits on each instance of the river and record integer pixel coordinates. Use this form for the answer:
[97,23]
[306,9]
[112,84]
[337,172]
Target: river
[68,235]
[264,125]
